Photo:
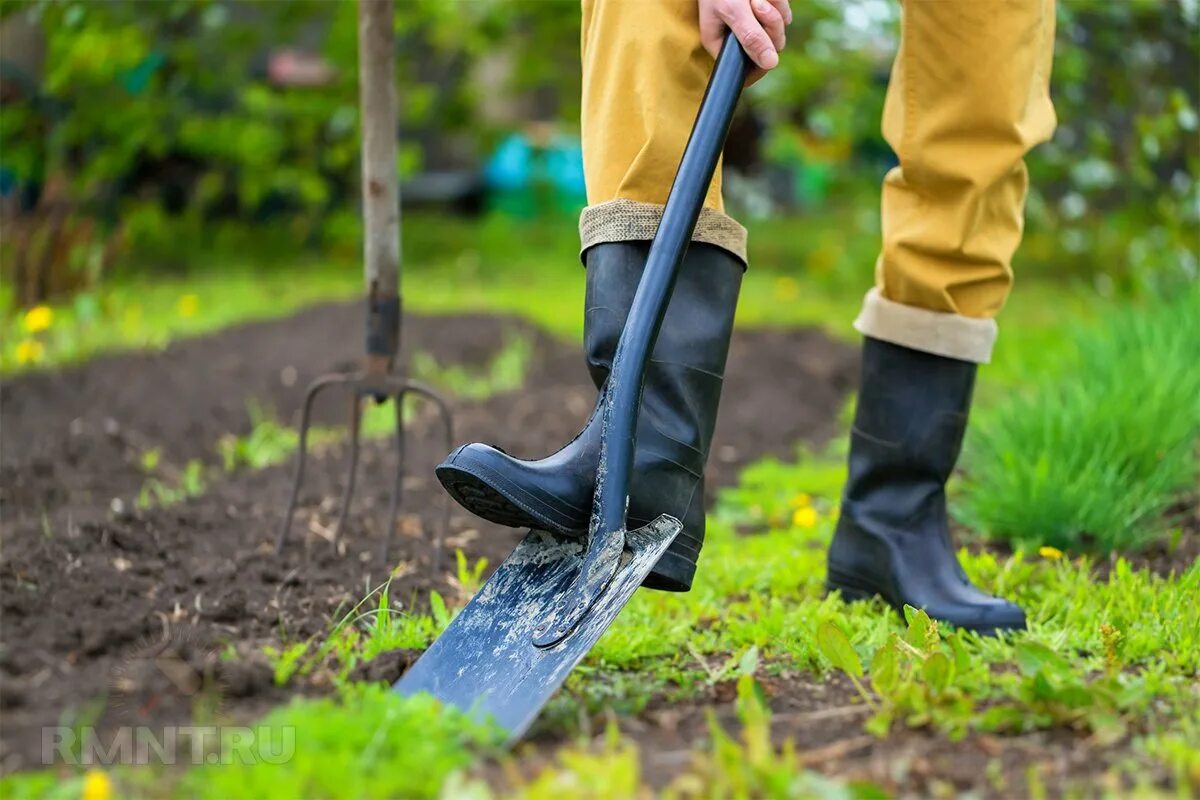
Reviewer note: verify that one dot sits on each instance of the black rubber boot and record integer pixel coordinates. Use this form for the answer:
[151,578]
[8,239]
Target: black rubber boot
[893,537]
[675,427]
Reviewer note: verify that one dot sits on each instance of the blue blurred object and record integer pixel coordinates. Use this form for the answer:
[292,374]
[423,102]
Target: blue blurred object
[525,179]
[564,167]
[510,167]
[136,80]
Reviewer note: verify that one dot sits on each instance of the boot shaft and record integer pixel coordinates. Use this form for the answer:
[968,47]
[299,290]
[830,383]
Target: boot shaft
[909,424]
[893,534]
[683,381]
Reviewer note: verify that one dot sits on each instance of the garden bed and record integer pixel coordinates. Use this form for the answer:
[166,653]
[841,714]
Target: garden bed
[92,584]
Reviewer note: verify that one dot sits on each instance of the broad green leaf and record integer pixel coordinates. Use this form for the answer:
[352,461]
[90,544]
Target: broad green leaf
[922,631]
[884,671]
[938,670]
[879,724]
[1002,718]
[748,663]
[834,645]
[962,659]
[1043,687]
[1032,657]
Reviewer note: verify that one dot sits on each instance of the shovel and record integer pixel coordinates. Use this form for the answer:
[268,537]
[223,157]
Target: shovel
[514,643]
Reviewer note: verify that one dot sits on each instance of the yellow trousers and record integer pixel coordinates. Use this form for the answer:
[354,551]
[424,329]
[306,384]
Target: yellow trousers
[968,98]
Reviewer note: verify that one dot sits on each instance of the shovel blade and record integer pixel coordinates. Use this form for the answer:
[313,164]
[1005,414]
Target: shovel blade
[486,663]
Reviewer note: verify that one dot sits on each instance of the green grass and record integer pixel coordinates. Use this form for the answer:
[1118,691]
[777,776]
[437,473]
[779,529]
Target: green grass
[743,765]
[150,312]
[367,743]
[809,270]
[1115,659]
[1091,453]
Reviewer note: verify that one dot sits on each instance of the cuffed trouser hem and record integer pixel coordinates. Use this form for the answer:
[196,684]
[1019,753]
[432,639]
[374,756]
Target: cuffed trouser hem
[937,332]
[623,220]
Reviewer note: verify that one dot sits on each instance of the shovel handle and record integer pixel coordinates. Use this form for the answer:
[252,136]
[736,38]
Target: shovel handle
[623,397]
[684,202]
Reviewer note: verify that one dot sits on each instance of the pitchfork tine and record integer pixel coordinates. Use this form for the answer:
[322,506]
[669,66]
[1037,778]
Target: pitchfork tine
[301,456]
[443,409]
[348,492]
[397,483]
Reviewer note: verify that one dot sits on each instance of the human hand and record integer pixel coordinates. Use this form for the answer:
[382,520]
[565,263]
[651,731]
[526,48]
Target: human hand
[758,24]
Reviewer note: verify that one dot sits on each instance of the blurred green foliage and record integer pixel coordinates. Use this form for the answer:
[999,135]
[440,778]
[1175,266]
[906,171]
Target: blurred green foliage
[1118,183]
[136,94]
[154,111]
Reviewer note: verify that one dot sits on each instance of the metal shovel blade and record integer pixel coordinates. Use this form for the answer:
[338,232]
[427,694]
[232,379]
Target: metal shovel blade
[486,663]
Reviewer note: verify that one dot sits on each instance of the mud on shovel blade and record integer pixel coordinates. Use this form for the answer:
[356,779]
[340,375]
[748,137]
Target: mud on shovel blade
[545,607]
[486,662]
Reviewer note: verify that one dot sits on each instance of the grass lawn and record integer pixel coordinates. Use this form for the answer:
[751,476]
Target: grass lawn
[804,272]
[1112,654]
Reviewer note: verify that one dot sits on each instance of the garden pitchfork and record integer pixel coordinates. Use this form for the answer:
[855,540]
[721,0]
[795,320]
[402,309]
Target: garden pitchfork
[379,379]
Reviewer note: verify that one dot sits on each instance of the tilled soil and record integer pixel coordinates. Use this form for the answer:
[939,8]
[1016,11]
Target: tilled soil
[110,613]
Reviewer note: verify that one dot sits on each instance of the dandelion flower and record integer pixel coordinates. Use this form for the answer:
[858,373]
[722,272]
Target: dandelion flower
[189,304]
[97,785]
[1052,553]
[804,517]
[801,500]
[39,318]
[30,351]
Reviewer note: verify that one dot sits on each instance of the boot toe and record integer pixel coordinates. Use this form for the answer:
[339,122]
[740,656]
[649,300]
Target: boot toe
[509,491]
[989,619]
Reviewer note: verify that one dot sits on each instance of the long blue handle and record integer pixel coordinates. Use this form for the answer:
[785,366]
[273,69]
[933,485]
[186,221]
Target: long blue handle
[658,280]
[623,398]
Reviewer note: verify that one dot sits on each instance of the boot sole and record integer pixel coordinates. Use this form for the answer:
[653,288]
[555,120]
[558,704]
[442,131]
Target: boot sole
[490,496]
[855,591]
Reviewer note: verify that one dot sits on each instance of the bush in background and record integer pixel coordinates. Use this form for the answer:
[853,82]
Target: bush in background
[153,117]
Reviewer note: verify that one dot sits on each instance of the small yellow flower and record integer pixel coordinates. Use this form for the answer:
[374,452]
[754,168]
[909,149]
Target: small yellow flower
[804,517]
[189,304]
[1052,553]
[787,288]
[39,318]
[30,351]
[97,785]
[801,500]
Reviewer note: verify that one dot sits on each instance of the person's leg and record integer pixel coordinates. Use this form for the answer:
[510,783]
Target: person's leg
[969,97]
[644,74]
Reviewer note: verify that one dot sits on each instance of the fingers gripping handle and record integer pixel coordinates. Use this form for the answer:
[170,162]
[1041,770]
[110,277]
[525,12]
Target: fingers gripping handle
[606,533]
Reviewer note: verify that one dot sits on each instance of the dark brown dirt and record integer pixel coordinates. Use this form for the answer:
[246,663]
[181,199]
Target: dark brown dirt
[823,718]
[1172,556]
[97,597]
